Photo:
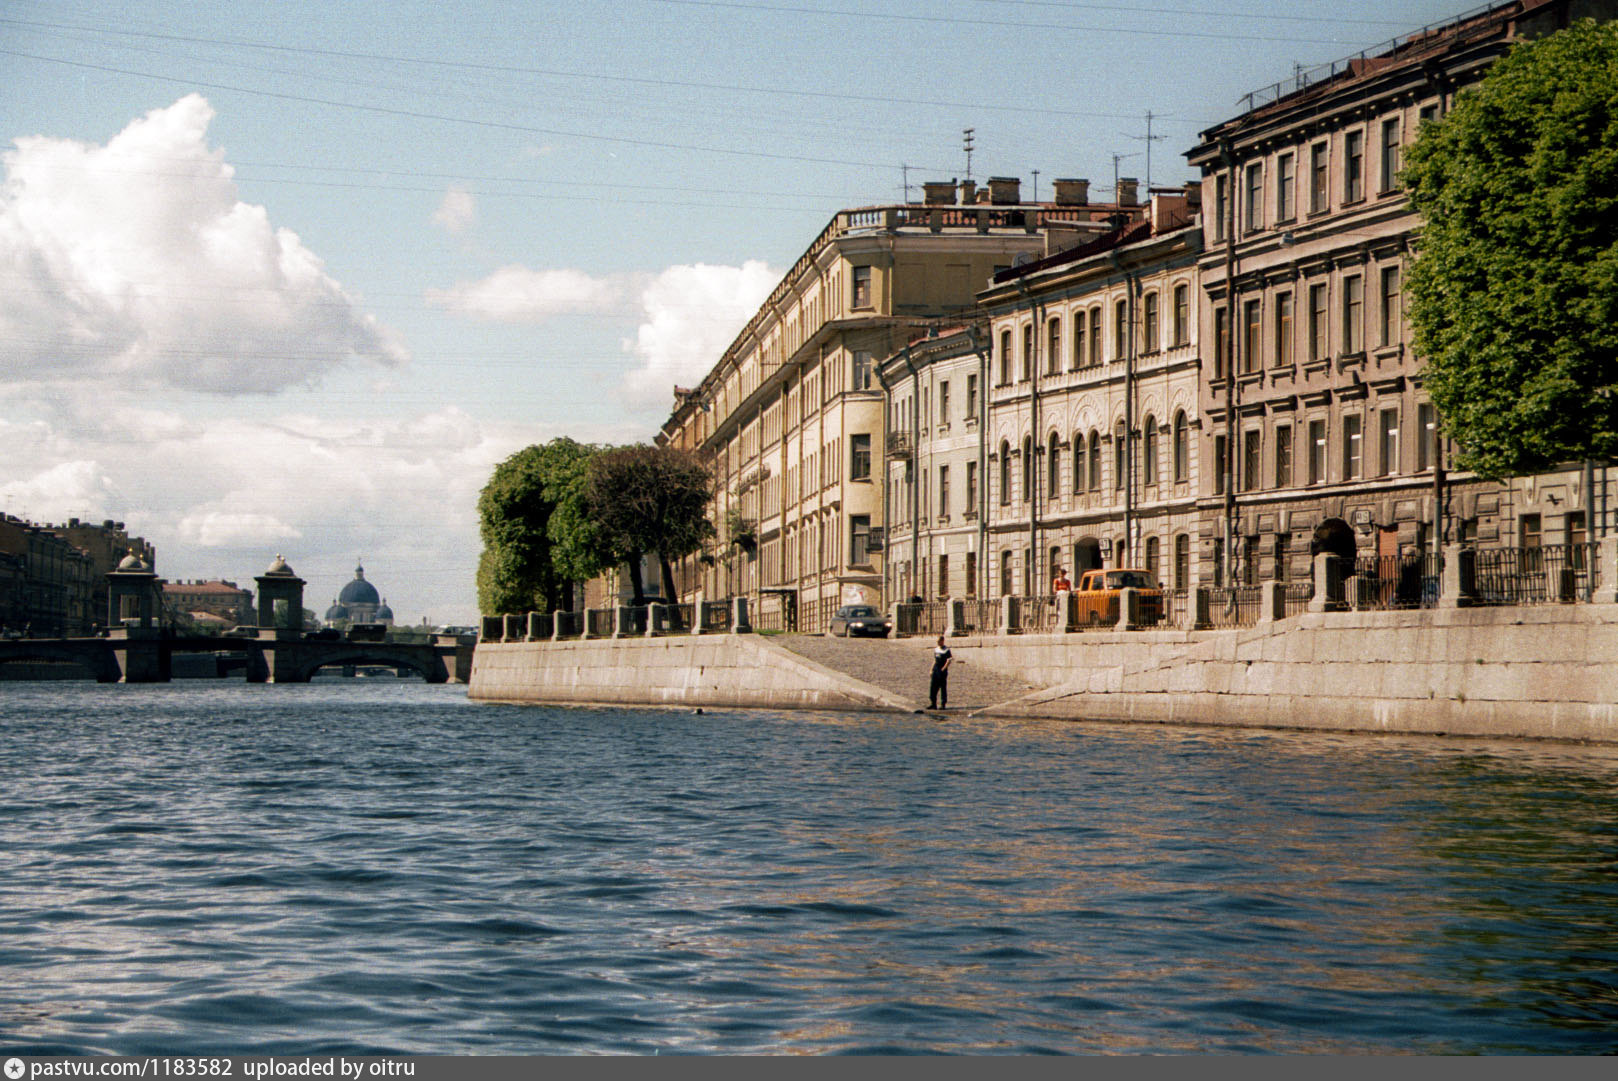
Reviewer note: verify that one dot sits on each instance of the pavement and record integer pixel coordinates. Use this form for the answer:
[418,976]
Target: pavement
[903,667]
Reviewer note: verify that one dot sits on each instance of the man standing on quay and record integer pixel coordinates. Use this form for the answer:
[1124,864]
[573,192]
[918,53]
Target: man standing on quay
[938,691]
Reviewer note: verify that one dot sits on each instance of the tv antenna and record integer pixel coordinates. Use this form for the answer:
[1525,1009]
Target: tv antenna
[1150,139]
[1116,158]
[966,142]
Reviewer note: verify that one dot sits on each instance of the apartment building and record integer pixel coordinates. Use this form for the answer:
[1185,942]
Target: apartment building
[1092,406]
[791,418]
[1319,434]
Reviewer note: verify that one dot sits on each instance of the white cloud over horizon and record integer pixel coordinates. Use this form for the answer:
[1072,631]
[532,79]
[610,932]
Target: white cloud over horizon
[517,294]
[457,212]
[136,262]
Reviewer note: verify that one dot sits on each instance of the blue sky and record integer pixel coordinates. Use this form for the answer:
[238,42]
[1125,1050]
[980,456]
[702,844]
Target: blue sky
[291,277]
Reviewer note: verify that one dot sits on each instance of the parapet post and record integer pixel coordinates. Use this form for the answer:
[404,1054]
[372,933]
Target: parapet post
[621,625]
[1272,602]
[1457,582]
[1328,584]
[696,613]
[654,612]
[954,616]
[1605,571]
[538,629]
[1197,617]
[493,629]
[1129,609]
[1008,615]
[1064,611]
[739,622]
[556,624]
[893,620]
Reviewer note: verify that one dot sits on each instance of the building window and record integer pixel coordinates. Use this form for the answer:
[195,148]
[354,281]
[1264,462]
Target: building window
[1149,322]
[1353,314]
[1027,469]
[1353,447]
[1078,341]
[1427,437]
[1095,461]
[942,584]
[862,371]
[1388,441]
[1182,561]
[1182,314]
[1317,322]
[1283,330]
[971,574]
[1154,557]
[1529,531]
[1005,573]
[1219,445]
[1390,305]
[1078,462]
[971,486]
[1095,336]
[1317,452]
[1283,456]
[943,491]
[1353,166]
[1182,448]
[1053,468]
[1148,453]
[1284,180]
[1251,353]
[1221,344]
[1390,155]
[859,540]
[1120,456]
[1252,449]
[859,457]
[1005,357]
[971,396]
[1221,207]
[1053,357]
[1120,329]
[1283,556]
[1005,473]
[1025,372]
[862,287]
[1317,178]
[1577,535]
[1253,210]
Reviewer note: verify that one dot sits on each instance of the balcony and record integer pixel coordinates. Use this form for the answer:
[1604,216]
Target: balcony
[900,445]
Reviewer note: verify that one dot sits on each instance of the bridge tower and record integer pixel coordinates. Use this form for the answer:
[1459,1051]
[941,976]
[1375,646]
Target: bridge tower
[280,602]
[134,602]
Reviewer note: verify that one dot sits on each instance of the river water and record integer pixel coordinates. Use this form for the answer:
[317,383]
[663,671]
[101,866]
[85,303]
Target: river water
[380,866]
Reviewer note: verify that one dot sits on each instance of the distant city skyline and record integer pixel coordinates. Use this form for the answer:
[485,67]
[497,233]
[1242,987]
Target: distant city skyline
[292,280]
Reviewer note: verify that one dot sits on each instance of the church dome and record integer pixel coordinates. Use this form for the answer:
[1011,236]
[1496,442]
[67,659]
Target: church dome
[336,612]
[280,569]
[359,591]
[384,613]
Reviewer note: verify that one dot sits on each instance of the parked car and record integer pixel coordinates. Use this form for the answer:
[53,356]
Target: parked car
[856,620]
[1096,600]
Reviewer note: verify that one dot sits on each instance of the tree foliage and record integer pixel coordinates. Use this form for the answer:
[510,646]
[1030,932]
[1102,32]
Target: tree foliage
[1514,292]
[537,539]
[648,499]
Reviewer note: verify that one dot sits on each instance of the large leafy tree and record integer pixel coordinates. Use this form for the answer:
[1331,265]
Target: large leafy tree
[1514,292]
[648,499]
[537,540]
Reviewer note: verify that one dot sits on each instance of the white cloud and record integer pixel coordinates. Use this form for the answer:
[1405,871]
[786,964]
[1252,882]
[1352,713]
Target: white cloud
[136,262]
[58,492]
[457,212]
[223,529]
[690,314]
[516,294]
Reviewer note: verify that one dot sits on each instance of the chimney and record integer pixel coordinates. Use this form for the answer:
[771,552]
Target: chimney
[1072,193]
[1004,190]
[938,192]
[1128,186]
[969,192]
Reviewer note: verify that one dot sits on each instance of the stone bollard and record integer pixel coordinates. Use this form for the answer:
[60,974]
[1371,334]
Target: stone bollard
[556,623]
[1196,613]
[1272,602]
[654,613]
[954,616]
[1328,584]
[1605,572]
[1064,611]
[1008,615]
[1457,581]
[696,613]
[1129,609]
[739,621]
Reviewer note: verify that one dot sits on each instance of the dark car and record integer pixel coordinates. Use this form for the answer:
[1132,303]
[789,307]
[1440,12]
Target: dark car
[854,620]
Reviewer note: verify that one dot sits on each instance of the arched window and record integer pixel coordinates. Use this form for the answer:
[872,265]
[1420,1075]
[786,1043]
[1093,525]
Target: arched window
[1095,461]
[1149,322]
[1053,357]
[1120,329]
[1120,451]
[1005,357]
[1182,448]
[1053,468]
[1148,452]
[1005,472]
[1027,352]
[1078,462]
[1182,561]
[1154,558]
[1027,468]
[1078,341]
[1182,315]
[1095,336]
[1005,573]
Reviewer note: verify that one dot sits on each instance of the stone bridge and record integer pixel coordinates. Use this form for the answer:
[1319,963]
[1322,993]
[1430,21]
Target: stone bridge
[273,657]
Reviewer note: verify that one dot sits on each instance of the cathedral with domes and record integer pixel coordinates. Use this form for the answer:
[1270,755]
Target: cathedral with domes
[358,602]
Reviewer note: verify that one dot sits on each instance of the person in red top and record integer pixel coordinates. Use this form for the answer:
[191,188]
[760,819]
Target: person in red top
[1061,584]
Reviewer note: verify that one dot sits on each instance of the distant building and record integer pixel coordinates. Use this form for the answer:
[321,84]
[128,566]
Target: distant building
[45,582]
[213,602]
[106,544]
[359,602]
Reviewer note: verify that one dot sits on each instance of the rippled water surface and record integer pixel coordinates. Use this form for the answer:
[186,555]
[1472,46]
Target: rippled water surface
[371,866]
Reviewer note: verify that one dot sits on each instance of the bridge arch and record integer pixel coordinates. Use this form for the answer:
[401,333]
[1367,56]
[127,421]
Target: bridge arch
[301,665]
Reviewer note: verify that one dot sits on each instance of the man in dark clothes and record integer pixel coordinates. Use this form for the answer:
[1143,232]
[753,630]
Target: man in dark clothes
[938,691]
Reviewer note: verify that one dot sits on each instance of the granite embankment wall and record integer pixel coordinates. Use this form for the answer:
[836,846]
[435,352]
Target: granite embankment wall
[736,670]
[1546,672]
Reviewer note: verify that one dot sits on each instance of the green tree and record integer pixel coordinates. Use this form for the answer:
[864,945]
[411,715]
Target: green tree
[536,541]
[648,499]
[1514,290]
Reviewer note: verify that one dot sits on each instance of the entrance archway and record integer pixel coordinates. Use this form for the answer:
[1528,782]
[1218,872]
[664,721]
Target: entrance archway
[1336,537]
[1086,556]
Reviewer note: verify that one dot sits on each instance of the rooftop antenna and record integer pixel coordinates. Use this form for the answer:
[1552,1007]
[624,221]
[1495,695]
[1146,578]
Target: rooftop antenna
[1150,139]
[1036,185]
[966,141]
[1116,158]
[904,171]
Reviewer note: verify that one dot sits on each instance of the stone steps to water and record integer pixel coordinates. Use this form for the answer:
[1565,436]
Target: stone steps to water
[904,666]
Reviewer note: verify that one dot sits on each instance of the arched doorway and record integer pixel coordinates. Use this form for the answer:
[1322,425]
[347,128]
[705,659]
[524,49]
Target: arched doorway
[1336,537]
[1086,556]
